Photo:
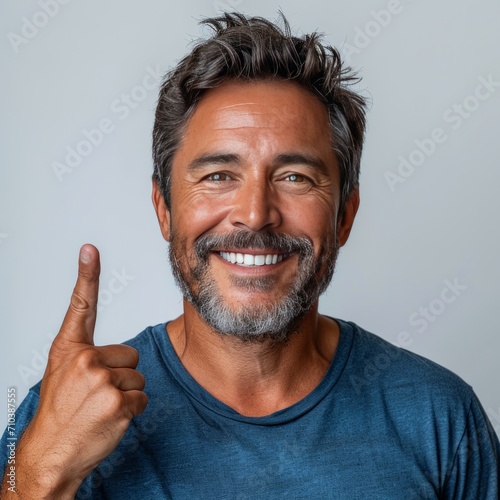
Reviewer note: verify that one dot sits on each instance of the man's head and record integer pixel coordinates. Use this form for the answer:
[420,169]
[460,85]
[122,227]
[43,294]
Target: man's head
[252,49]
[257,143]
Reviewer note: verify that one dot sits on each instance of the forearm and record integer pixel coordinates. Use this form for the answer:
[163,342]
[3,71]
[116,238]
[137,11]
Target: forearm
[32,476]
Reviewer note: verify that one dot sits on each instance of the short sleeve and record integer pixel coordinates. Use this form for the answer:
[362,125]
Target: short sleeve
[475,470]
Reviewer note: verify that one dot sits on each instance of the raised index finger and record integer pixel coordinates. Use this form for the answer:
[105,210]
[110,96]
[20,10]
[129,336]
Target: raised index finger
[79,322]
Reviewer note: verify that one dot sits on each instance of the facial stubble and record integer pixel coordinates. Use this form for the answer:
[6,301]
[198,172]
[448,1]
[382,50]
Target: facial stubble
[271,321]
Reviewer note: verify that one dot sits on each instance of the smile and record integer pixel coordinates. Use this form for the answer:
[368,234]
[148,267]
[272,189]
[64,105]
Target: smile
[246,259]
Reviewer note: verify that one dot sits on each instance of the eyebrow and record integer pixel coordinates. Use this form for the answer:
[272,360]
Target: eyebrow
[302,159]
[213,159]
[292,158]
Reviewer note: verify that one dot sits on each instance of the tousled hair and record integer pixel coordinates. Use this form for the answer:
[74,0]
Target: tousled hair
[252,49]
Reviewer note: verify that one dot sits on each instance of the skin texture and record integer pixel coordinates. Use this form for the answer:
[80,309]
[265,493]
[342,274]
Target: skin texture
[89,394]
[237,168]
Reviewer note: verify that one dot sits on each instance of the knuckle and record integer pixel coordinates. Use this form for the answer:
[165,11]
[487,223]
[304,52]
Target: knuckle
[143,402]
[135,356]
[109,404]
[87,274]
[103,377]
[87,359]
[132,354]
[142,381]
[79,302]
[115,402]
[137,403]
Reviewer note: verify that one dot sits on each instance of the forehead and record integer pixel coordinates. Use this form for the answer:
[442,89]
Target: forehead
[278,101]
[257,120]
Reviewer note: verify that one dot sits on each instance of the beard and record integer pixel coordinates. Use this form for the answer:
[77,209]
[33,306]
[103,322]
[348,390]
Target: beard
[274,320]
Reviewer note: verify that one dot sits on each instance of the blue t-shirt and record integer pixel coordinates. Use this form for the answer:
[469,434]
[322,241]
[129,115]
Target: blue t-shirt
[384,423]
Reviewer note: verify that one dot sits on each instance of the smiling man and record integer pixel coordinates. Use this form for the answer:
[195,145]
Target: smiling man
[251,393]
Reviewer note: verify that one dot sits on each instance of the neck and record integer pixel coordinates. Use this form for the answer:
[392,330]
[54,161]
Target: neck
[255,378]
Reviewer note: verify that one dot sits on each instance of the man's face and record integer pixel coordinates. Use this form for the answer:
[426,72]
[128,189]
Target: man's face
[254,202]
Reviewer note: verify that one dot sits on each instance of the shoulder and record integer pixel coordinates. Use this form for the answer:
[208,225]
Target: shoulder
[428,409]
[148,339]
[375,361]
[424,404]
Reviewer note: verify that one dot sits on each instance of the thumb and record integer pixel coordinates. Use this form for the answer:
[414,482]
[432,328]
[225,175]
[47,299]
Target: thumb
[79,322]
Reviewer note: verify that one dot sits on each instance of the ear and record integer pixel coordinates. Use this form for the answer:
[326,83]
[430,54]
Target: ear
[162,212]
[347,219]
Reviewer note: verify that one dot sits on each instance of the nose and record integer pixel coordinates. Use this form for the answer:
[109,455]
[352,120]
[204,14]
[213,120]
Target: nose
[255,206]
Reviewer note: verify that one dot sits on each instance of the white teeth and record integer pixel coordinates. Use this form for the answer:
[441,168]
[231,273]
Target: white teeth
[252,260]
[248,259]
[260,260]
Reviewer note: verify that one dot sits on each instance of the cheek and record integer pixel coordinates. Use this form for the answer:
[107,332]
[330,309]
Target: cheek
[315,219]
[198,213]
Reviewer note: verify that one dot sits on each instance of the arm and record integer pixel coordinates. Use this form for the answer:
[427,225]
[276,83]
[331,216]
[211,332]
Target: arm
[88,396]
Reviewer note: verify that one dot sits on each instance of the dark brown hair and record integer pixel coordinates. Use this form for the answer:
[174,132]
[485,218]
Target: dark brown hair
[253,48]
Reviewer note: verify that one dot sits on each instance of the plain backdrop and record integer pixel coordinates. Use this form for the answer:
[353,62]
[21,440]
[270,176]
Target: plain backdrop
[421,266]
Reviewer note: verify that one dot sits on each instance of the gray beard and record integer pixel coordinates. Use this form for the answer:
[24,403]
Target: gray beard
[275,321]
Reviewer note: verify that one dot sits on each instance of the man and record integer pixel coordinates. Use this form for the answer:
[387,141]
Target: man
[250,393]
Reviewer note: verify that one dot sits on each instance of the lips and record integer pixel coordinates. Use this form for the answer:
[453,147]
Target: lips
[246,259]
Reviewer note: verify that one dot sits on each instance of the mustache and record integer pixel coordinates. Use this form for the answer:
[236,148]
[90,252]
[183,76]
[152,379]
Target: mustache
[241,239]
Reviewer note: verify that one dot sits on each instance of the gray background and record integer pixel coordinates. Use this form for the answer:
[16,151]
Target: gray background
[77,67]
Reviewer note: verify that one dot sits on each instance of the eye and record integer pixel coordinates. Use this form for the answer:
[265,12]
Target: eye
[218,177]
[295,178]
